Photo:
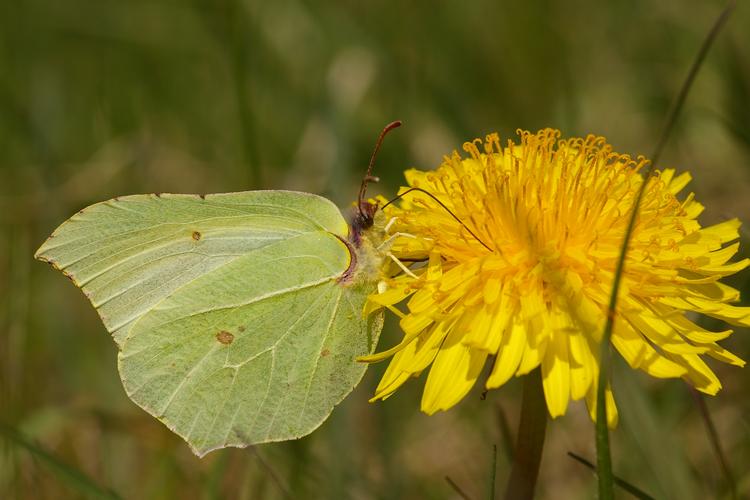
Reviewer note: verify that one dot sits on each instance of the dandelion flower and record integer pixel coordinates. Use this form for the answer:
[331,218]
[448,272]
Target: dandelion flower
[507,256]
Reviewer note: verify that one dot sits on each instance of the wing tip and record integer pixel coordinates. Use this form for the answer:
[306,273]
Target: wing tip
[42,256]
[41,252]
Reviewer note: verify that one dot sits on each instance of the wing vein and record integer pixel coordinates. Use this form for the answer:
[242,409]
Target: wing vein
[317,359]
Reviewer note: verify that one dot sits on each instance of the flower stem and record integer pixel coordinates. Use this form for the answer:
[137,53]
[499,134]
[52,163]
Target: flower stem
[530,441]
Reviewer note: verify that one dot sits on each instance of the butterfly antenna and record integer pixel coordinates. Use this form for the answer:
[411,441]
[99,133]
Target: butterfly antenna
[368,176]
[444,207]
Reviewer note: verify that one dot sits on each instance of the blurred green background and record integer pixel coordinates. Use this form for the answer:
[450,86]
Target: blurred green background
[104,98]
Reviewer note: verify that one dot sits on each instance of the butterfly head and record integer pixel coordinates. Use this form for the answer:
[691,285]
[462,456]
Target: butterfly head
[364,218]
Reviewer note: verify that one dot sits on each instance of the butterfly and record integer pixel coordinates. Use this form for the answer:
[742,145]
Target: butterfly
[238,316]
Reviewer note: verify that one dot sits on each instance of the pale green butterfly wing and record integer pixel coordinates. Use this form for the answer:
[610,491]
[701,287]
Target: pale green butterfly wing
[236,315]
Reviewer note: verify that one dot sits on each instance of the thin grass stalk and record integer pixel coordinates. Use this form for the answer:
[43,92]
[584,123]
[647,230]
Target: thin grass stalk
[713,437]
[68,474]
[603,453]
[630,488]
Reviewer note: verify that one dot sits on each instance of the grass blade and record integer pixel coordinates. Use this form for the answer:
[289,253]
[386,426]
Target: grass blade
[633,490]
[271,473]
[603,453]
[457,488]
[73,477]
[713,437]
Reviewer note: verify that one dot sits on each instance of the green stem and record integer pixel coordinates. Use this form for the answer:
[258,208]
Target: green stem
[603,454]
[530,442]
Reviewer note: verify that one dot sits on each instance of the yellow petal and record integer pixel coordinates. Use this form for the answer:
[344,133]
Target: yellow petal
[453,374]
[678,183]
[480,330]
[726,269]
[422,301]
[731,314]
[534,352]
[426,346]
[612,416]
[380,356]
[690,330]
[582,365]
[640,355]
[509,354]
[699,375]
[666,176]
[501,322]
[722,354]
[718,257]
[415,323]
[491,290]
[395,375]
[392,295]
[724,232]
[556,375]
[660,332]
[715,292]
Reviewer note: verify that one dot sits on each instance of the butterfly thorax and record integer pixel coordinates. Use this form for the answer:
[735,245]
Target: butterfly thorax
[366,236]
